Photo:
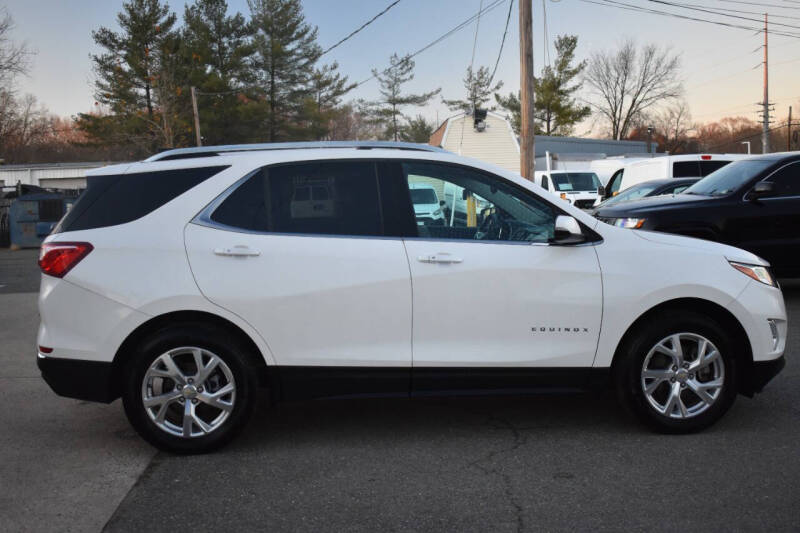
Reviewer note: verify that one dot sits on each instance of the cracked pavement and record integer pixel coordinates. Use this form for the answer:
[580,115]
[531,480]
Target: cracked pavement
[561,462]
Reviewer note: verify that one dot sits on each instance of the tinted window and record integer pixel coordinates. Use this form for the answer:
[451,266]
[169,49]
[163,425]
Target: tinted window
[120,198]
[330,198]
[545,183]
[707,167]
[686,169]
[787,181]
[637,191]
[576,181]
[729,178]
[479,206]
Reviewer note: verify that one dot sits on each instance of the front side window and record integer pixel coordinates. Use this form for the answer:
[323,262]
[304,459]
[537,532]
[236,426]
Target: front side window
[328,198]
[729,178]
[787,181]
[478,206]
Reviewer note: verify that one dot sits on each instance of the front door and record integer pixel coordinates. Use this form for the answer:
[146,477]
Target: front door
[493,299]
[298,251]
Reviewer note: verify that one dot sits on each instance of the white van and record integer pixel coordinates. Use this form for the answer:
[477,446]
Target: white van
[427,206]
[669,166]
[580,188]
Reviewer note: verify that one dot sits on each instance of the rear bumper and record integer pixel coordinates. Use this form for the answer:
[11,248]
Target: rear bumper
[80,379]
[762,373]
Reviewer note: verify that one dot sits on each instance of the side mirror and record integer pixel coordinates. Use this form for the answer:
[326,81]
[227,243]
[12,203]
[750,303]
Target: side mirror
[567,231]
[761,189]
[601,192]
[441,203]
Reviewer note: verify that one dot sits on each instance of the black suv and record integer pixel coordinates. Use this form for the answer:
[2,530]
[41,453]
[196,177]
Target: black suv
[752,204]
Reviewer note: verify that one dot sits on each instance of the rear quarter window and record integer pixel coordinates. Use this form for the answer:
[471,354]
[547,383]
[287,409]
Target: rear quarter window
[119,198]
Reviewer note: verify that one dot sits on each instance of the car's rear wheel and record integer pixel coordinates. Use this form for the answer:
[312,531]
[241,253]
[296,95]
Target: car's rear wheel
[678,372]
[189,389]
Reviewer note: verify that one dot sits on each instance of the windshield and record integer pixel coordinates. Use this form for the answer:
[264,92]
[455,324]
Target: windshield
[729,178]
[423,196]
[637,191]
[576,181]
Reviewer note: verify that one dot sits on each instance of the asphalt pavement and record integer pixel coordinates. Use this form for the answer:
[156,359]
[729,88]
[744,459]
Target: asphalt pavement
[566,462]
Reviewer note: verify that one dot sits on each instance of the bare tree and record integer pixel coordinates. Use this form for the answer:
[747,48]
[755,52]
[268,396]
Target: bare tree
[14,58]
[626,82]
[673,125]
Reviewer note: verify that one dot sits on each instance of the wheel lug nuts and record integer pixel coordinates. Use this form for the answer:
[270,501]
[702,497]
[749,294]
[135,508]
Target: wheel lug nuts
[199,389]
[181,400]
[194,400]
[191,380]
[691,376]
[685,365]
[672,380]
[675,367]
[683,385]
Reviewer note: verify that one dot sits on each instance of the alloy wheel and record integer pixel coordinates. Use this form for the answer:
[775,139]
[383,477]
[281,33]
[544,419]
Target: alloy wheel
[188,392]
[683,375]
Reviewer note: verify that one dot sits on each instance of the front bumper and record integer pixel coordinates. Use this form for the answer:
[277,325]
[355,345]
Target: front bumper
[760,374]
[80,379]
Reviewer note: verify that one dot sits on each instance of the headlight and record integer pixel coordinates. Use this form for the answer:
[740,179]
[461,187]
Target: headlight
[630,223]
[757,272]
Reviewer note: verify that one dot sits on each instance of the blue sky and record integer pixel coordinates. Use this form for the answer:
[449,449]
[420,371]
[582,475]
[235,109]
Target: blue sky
[717,62]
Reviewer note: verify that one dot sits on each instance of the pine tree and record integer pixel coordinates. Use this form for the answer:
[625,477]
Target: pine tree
[387,112]
[555,110]
[327,87]
[479,89]
[219,49]
[286,54]
[418,130]
[127,71]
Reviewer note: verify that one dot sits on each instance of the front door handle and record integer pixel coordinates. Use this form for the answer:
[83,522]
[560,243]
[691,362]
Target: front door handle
[237,251]
[439,258]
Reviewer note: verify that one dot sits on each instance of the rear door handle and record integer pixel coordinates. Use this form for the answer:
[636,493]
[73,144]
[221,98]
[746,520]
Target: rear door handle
[439,258]
[237,251]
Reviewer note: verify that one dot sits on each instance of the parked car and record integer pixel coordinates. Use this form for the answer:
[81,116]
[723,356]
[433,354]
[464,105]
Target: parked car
[184,282]
[668,166]
[428,209]
[752,204]
[646,190]
[580,188]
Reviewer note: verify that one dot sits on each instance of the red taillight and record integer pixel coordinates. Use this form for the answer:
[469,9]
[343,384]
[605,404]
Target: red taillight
[58,258]
[705,157]
[45,349]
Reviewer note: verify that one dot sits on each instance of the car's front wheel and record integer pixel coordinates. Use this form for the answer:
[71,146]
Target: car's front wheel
[678,372]
[189,389]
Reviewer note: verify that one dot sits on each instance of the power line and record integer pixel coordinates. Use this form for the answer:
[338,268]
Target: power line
[436,41]
[629,7]
[720,13]
[367,23]
[502,42]
[746,12]
[475,40]
[761,4]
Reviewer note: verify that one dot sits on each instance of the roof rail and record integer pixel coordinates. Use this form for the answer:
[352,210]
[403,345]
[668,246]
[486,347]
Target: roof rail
[209,151]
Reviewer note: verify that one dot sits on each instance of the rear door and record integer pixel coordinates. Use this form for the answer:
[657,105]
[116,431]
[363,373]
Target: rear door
[300,252]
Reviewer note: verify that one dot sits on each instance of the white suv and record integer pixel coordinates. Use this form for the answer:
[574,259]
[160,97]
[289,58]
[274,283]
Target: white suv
[184,282]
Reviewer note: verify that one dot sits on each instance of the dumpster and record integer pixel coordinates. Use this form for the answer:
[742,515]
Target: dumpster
[31,217]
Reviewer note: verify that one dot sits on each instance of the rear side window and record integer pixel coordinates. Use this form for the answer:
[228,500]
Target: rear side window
[120,198]
[707,167]
[329,198]
[686,169]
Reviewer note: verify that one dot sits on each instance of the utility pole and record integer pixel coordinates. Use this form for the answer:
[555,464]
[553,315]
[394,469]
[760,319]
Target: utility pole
[789,131]
[765,132]
[527,150]
[196,117]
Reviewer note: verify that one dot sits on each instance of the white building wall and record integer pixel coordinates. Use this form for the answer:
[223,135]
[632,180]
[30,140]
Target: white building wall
[497,144]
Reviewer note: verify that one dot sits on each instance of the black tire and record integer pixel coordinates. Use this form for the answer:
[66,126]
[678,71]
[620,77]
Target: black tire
[211,338]
[632,355]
